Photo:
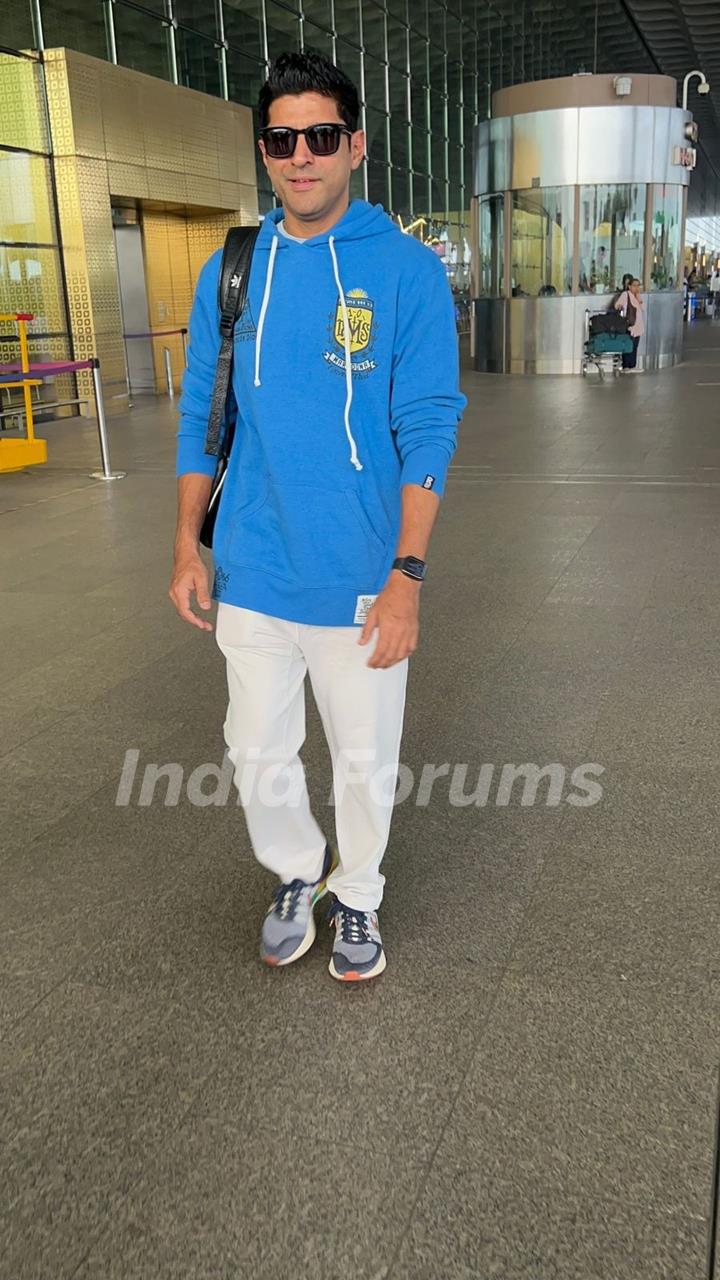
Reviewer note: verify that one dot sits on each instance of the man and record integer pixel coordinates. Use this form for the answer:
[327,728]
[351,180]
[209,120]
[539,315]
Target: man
[715,291]
[345,378]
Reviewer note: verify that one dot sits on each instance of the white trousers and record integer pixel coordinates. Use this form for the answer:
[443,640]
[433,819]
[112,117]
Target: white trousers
[362,713]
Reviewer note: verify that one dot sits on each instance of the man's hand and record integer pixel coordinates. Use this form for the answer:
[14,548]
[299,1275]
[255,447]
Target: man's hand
[190,574]
[395,617]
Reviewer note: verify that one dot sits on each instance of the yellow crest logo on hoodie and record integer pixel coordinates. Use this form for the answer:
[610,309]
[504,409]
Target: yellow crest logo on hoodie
[360,318]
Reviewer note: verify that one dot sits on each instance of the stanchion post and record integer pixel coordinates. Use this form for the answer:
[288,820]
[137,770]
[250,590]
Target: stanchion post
[183,334]
[106,473]
[168,373]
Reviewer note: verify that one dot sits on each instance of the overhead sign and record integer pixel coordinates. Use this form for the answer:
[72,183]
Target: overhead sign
[685,156]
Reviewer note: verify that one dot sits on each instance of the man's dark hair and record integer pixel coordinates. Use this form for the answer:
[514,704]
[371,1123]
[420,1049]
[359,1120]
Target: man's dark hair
[309,73]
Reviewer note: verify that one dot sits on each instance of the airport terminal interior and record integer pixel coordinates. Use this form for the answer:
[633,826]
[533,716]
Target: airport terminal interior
[530,1091]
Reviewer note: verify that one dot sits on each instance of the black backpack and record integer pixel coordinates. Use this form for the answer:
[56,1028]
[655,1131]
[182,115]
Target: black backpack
[232,295]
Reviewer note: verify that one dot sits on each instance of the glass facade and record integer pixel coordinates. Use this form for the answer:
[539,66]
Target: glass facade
[667,210]
[30,260]
[425,69]
[542,242]
[612,233]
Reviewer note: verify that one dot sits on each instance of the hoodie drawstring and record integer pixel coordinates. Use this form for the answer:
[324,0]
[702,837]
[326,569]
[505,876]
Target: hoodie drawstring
[263,309]
[348,365]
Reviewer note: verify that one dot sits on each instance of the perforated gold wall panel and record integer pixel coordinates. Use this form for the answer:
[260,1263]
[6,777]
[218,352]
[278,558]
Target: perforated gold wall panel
[118,133]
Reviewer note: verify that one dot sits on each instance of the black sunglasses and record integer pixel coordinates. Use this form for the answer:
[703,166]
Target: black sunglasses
[322,139]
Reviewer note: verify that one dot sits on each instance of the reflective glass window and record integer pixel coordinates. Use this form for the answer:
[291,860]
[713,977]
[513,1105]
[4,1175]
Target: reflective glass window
[491,282]
[378,184]
[142,42]
[75,24]
[245,79]
[243,26]
[376,145]
[421,195]
[420,147]
[283,30]
[348,58]
[23,121]
[26,206]
[375,92]
[373,20]
[542,242]
[319,11]
[201,15]
[665,272]
[400,192]
[347,20]
[397,38]
[611,235]
[198,62]
[400,141]
[30,280]
[17,27]
[317,39]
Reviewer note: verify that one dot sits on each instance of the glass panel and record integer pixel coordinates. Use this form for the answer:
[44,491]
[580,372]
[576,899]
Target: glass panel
[400,192]
[437,112]
[437,69]
[373,29]
[419,58]
[30,280]
[436,24]
[319,11]
[199,14]
[375,84]
[378,184]
[347,20]
[317,40]
[666,223]
[22,114]
[419,100]
[399,94]
[421,195]
[417,14]
[454,118]
[420,148]
[283,31]
[376,146]
[453,38]
[349,60]
[75,24]
[17,27]
[437,157]
[142,42]
[470,88]
[400,142]
[198,62]
[245,79]
[454,81]
[455,168]
[397,44]
[612,225]
[26,208]
[542,239]
[243,26]
[491,281]
[398,8]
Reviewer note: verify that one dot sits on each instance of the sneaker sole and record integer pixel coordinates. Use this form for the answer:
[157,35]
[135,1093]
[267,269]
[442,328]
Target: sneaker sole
[305,945]
[354,975]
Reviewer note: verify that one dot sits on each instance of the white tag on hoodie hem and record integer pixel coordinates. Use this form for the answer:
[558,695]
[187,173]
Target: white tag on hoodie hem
[363,607]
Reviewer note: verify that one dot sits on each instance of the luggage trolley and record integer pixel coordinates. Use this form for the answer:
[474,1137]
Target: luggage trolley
[606,341]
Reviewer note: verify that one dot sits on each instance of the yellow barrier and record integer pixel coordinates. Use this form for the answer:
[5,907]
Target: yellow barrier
[16,454]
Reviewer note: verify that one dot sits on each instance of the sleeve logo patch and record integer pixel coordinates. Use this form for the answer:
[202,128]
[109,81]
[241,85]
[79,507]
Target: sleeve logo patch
[428,482]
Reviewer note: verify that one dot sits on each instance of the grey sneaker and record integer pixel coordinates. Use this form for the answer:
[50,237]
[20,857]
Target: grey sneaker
[357,950]
[289,927]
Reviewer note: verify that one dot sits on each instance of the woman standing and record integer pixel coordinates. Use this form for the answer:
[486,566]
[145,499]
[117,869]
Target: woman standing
[631,305]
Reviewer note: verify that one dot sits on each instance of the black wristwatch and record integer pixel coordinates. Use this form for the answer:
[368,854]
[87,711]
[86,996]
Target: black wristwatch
[411,567]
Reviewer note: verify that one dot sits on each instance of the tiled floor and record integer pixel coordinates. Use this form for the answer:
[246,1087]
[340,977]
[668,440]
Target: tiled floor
[529,1092]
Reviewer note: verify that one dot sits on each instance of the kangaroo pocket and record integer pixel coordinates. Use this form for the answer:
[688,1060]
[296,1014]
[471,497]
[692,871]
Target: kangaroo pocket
[310,536]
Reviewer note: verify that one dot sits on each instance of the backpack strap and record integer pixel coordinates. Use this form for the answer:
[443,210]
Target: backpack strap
[232,295]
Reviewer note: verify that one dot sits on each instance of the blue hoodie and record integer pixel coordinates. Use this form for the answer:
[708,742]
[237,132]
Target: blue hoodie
[345,375]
